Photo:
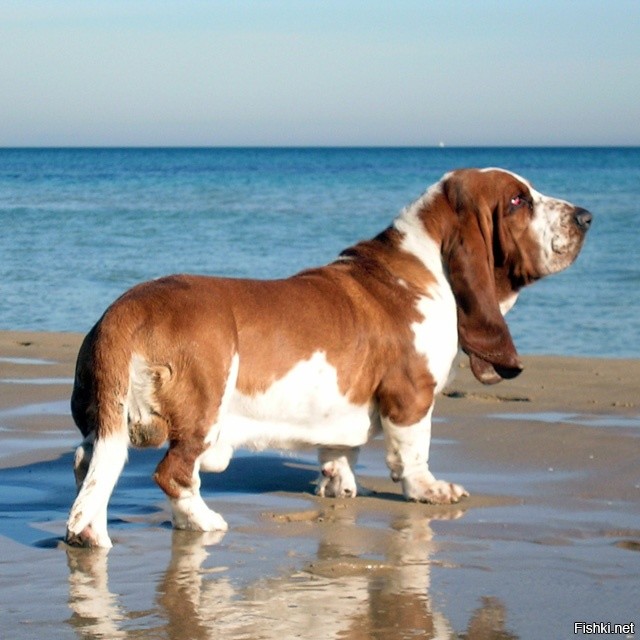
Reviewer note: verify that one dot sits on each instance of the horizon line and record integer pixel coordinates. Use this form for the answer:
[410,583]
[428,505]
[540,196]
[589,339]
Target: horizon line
[440,146]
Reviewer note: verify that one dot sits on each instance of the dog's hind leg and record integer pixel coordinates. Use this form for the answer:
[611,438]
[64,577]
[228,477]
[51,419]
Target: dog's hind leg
[178,475]
[193,447]
[94,534]
[97,467]
[98,407]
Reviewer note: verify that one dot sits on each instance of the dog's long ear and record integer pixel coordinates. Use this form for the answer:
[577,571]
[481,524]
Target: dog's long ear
[482,331]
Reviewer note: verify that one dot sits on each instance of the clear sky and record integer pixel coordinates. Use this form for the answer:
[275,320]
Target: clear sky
[319,72]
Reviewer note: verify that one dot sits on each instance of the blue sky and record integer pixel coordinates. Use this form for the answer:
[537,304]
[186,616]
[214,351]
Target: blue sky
[319,72]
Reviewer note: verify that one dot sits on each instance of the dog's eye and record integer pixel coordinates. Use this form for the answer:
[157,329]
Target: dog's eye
[518,201]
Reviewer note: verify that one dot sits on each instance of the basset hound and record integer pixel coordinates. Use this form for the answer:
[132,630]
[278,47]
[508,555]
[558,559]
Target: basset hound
[326,358]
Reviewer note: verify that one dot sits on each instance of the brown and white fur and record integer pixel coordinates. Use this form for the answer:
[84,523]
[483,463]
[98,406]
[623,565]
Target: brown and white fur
[325,358]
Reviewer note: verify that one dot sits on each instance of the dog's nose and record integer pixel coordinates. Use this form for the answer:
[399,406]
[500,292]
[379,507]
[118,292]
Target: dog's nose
[583,218]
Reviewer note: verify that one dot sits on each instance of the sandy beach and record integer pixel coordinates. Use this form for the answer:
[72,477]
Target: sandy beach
[549,537]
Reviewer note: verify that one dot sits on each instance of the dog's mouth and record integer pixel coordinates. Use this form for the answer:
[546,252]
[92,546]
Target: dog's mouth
[489,373]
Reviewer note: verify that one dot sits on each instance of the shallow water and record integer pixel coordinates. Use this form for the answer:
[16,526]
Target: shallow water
[534,549]
[36,381]
[554,417]
[294,566]
[31,361]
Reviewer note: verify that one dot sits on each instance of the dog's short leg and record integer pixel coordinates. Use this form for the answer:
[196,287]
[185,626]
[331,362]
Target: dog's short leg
[178,475]
[408,459]
[97,465]
[194,442]
[337,479]
[95,533]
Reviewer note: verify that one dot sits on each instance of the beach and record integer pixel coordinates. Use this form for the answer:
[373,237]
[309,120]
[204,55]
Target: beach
[549,537]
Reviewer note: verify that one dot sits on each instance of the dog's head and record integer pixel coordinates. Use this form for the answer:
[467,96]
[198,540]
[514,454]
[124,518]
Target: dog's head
[503,236]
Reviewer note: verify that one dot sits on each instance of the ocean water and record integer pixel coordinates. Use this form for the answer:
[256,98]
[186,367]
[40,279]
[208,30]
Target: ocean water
[80,226]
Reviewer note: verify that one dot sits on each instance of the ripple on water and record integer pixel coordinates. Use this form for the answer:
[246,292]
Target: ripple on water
[588,420]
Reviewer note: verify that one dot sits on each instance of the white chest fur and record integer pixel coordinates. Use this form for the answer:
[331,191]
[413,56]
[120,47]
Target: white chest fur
[436,335]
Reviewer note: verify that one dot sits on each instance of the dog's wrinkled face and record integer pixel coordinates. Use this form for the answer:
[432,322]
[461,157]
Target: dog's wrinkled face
[560,228]
[546,233]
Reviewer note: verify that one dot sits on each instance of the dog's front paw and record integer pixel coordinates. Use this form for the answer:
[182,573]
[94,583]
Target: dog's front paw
[432,491]
[337,481]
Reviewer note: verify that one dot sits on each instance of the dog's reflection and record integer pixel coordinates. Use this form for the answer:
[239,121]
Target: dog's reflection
[96,611]
[358,587]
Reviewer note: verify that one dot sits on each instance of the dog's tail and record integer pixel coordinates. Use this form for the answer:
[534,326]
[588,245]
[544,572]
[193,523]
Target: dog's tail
[100,409]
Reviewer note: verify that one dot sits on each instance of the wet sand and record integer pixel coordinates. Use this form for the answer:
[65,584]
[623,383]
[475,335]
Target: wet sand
[550,535]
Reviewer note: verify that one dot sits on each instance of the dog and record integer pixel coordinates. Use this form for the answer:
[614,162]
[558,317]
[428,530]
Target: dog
[326,358]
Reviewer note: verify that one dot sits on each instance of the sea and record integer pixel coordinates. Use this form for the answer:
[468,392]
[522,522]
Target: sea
[80,226]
